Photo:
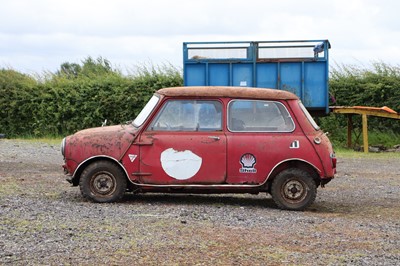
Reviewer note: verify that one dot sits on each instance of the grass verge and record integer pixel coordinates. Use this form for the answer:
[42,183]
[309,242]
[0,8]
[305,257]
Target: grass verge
[47,140]
[349,153]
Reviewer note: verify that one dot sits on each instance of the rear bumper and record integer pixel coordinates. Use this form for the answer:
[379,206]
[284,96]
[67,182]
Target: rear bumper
[325,181]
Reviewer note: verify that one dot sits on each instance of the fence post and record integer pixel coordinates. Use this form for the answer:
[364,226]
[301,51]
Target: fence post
[365,132]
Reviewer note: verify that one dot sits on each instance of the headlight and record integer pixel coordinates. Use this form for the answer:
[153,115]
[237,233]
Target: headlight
[63,142]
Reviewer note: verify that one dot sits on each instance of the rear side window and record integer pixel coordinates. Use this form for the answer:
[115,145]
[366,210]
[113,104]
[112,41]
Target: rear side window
[259,116]
[309,117]
[189,115]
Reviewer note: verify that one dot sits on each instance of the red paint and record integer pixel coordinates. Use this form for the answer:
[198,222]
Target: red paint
[231,161]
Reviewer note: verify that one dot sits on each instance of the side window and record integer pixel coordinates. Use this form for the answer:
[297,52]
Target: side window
[258,116]
[188,115]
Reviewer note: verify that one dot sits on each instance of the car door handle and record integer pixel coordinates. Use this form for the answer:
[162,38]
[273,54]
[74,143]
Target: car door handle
[213,137]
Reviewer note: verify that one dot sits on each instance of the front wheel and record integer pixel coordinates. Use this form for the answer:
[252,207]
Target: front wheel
[102,181]
[293,189]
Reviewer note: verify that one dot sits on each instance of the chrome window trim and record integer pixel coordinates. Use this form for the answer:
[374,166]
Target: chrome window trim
[248,100]
[164,105]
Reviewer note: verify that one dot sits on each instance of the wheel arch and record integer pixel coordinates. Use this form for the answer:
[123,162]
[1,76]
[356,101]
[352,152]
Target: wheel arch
[81,167]
[294,163]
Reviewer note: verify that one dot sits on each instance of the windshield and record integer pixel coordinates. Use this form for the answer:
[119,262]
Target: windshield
[309,117]
[146,111]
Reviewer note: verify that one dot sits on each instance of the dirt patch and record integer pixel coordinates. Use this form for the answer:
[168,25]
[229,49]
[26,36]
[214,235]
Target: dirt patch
[354,220]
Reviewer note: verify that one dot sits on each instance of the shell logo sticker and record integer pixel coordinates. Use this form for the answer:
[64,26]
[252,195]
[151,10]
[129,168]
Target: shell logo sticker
[248,161]
[180,165]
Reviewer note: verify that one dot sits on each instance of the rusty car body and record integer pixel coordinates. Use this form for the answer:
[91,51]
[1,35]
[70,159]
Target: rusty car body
[206,140]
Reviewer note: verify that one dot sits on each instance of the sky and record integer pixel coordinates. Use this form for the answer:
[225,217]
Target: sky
[37,36]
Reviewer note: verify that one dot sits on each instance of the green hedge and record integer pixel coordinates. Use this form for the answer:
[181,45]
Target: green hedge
[64,103]
[83,95]
[376,86]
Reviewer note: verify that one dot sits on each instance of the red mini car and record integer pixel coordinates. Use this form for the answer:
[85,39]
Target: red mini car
[206,140]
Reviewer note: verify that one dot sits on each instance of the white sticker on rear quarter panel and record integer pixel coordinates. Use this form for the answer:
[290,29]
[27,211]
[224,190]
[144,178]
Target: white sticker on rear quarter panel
[295,144]
[180,165]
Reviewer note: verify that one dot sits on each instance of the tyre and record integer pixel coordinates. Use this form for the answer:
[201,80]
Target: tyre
[293,189]
[102,181]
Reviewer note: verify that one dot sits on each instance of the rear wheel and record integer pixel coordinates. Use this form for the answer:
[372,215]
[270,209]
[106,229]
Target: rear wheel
[102,181]
[293,189]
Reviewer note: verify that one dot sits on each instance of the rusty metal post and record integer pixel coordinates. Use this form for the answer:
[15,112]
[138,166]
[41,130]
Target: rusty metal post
[349,129]
[365,132]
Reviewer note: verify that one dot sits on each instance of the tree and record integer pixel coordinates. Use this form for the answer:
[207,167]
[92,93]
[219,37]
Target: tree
[69,70]
[96,67]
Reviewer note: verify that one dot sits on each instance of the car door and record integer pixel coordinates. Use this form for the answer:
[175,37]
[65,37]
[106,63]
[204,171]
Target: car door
[184,144]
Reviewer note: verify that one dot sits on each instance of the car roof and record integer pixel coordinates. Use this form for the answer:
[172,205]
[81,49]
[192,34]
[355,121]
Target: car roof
[228,92]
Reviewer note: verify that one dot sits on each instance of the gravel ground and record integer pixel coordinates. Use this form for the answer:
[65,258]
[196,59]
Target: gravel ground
[354,221]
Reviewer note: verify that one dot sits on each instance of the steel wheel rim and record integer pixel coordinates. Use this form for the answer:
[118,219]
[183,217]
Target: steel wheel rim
[103,183]
[294,191]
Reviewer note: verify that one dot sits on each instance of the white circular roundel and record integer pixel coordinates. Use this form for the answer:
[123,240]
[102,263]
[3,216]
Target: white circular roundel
[180,165]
